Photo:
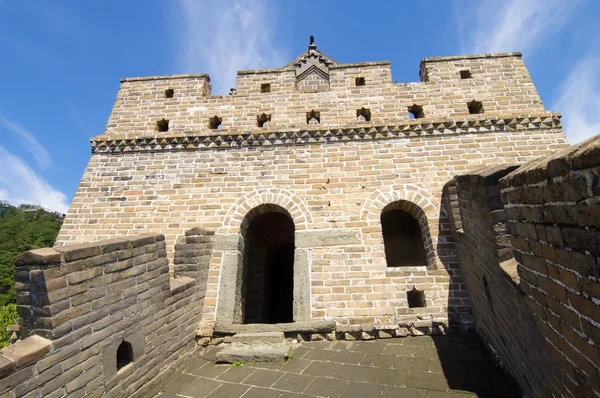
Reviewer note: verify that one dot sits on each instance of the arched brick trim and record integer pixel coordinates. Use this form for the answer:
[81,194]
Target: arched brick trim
[375,203]
[412,199]
[295,207]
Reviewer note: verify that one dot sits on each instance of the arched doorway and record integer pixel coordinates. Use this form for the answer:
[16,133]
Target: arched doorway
[267,294]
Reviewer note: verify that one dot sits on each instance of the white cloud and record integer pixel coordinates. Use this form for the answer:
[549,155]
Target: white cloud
[222,37]
[39,153]
[510,25]
[579,100]
[19,184]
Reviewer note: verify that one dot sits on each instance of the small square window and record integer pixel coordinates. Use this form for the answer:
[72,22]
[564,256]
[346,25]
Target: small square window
[169,93]
[465,74]
[360,81]
[265,88]
[162,125]
[475,107]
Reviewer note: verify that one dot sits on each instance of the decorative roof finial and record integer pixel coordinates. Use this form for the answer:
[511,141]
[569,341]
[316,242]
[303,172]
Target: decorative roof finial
[312,45]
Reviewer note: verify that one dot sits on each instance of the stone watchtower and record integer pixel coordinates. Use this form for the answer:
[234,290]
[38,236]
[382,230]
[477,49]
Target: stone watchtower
[320,185]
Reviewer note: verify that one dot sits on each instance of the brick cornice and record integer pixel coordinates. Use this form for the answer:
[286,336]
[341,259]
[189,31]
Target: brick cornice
[413,128]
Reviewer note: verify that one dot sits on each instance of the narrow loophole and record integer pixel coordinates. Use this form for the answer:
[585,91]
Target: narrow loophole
[124,355]
[416,112]
[465,74]
[313,117]
[475,107]
[263,120]
[162,125]
[363,114]
[214,122]
[416,298]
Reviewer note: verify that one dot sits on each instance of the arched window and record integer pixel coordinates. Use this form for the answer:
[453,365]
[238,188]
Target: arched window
[402,238]
[124,355]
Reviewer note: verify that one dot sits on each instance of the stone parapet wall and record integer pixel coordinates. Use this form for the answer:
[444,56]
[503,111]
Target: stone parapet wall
[78,304]
[500,82]
[553,212]
[502,316]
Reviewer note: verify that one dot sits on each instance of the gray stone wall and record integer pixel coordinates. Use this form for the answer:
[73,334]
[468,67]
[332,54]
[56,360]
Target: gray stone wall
[501,313]
[553,215]
[78,303]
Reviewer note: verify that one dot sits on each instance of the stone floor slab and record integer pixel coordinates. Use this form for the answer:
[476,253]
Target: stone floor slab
[319,355]
[351,357]
[361,390]
[229,390]
[353,372]
[326,387]
[236,374]
[293,382]
[378,360]
[420,367]
[179,383]
[393,377]
[295,365]
[318,368]
[427,381]
[263,378]
[200,388]
[401,392]
[259,392]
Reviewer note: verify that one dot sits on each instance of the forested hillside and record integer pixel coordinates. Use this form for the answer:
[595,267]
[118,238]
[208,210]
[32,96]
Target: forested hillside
[22,228]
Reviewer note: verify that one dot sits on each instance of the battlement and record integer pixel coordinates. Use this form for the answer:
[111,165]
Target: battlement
[314,91]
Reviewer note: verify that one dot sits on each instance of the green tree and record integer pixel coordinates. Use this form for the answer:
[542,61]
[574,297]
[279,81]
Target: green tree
[8,316]
[22,228]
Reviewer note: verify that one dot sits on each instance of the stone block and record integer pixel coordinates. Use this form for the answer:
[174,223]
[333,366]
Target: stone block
[180,284]
[44,256]
[254,353]
[79,251]
[26,351]
[111,245]
[264,337]
[327,237]
[7,366]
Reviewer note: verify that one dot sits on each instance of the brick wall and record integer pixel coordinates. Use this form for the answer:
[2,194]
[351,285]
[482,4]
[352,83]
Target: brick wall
[552,208]
[500,81]
[335,189]
[501,314]
[77,304]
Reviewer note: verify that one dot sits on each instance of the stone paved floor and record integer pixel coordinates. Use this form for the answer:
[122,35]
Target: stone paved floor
[423,367]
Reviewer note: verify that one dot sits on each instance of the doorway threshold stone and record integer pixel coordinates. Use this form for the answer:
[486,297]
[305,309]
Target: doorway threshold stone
[318,326]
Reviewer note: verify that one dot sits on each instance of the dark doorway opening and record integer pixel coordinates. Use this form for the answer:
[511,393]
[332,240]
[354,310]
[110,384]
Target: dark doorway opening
[402,239]
[268,275]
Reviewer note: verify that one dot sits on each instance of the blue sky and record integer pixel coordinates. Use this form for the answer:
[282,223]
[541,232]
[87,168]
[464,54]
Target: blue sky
[62,60]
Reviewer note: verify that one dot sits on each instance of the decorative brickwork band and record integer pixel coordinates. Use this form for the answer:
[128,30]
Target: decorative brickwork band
[305,137]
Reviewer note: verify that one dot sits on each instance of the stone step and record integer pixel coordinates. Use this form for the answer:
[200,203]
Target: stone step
[266,337]
[245,353]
